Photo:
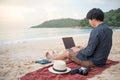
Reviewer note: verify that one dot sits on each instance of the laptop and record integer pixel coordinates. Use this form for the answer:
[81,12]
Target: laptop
[68,42]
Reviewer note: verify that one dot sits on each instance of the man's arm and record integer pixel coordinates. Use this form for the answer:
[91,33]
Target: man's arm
[89,50]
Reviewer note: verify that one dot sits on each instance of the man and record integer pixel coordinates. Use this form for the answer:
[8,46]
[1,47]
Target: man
[99,44]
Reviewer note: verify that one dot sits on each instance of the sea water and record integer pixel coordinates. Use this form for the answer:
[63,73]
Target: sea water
[8,35]
[28,34]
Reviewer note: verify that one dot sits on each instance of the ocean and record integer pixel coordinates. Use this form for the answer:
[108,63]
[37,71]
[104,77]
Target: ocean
[29,34]
[13,34]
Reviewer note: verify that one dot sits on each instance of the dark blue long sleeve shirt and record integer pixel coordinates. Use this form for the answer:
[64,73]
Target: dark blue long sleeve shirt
[99,45]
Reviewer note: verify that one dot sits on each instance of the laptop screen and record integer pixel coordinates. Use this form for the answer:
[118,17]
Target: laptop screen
[68,42]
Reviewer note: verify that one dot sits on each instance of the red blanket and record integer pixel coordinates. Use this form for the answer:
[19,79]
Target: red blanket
[44,74]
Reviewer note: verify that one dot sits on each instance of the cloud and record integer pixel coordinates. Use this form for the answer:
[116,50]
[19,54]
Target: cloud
[97,1]
[32,12]
[108,3]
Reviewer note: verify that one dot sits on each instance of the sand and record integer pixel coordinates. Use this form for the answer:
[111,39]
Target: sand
[17,59]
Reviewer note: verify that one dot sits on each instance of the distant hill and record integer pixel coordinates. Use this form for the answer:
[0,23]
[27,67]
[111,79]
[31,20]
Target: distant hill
[112,18]
[68,22]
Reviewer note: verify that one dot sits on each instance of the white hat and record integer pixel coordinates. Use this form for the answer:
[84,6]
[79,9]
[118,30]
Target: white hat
[59,67]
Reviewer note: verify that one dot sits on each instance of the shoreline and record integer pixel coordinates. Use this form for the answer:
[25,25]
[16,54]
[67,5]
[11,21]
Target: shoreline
[2,42]
[22,40]
[18,59]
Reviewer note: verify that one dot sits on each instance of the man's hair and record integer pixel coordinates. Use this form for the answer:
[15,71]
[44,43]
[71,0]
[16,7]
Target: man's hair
[95,13]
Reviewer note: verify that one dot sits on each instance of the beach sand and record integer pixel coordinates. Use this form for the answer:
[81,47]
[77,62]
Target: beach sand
[17,59]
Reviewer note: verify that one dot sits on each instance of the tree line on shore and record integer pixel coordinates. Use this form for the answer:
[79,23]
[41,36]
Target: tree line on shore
[112,18]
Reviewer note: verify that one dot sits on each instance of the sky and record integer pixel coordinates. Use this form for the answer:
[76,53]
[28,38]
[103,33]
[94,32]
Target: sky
[26,13]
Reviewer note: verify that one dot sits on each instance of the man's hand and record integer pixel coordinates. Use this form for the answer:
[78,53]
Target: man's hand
[77,48]
[81,47]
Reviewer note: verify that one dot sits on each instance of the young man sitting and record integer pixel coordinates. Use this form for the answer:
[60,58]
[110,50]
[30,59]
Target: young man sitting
[99,45]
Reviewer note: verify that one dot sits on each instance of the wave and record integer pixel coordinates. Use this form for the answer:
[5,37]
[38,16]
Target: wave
[37,39]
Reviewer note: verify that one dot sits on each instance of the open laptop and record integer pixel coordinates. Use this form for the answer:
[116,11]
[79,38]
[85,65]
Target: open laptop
[68,42]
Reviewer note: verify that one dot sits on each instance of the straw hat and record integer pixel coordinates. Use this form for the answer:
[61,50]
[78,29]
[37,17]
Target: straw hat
[59,67]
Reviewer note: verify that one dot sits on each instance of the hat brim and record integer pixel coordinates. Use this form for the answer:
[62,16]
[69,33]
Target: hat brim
[53,71]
